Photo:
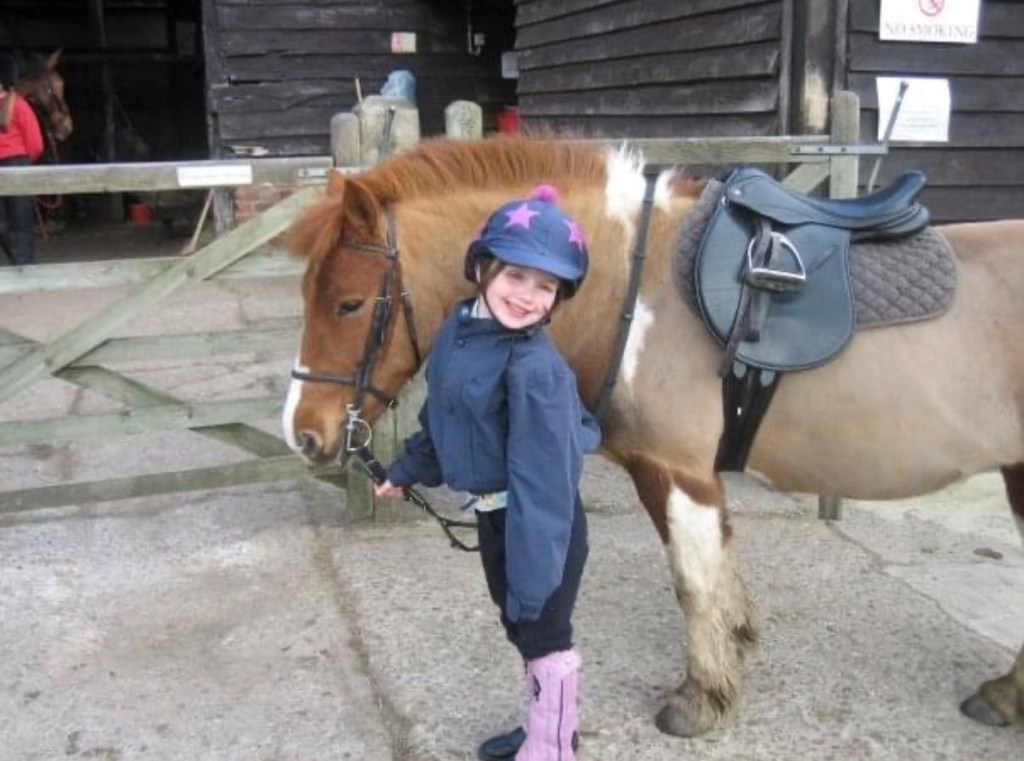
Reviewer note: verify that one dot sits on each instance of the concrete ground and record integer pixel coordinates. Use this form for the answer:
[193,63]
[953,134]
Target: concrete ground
[83,240]
[263,623]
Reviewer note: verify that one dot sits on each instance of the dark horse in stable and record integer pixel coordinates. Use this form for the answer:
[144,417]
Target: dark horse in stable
[900,411]
[42,86]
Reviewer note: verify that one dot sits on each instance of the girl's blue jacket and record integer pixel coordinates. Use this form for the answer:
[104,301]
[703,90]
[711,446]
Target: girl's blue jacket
[503,413]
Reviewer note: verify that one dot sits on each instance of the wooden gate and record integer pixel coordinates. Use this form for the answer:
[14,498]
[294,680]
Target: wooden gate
[83,355]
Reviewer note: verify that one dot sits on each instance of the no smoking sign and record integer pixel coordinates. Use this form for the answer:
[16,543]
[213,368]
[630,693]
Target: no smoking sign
[929,20]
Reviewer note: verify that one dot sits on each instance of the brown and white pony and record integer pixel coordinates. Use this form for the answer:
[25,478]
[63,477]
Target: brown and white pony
[903,411]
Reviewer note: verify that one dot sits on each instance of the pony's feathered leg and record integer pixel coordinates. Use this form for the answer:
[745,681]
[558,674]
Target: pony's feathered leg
[721,621]
[1001,701]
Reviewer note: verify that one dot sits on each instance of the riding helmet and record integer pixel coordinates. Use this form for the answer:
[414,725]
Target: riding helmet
[533,232]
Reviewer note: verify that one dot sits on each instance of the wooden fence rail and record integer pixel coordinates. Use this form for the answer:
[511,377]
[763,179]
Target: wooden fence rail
[809,150]
[153,176]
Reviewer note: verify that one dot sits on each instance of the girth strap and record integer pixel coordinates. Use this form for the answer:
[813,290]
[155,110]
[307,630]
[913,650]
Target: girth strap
[636,272]
[747,393]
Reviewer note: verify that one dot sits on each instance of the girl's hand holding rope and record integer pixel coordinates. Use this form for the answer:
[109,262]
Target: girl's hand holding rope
[387,489]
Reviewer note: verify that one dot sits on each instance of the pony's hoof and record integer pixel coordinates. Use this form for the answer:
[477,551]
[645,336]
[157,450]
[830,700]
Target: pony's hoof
[687,714]
[977,708]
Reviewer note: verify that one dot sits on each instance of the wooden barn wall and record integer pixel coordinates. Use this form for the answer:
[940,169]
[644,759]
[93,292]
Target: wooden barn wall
[279,69]
[979,173]
[650,68]
[153,62]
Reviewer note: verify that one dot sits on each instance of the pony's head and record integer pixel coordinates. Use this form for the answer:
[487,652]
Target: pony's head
[369,311]
[358,347]
[42,86]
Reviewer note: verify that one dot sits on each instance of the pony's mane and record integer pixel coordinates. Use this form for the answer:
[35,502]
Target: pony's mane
[437,166]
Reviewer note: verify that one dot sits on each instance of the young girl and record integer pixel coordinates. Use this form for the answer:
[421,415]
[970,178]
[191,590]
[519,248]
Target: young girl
[503,420]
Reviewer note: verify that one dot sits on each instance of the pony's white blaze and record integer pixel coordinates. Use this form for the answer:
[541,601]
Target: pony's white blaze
[643,319]
[290,404]
[695,545]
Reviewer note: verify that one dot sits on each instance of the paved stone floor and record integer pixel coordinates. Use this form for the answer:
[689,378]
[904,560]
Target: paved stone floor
[262,622]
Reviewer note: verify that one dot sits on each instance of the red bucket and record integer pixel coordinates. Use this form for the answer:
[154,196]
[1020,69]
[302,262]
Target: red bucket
[140,213]
[508,120]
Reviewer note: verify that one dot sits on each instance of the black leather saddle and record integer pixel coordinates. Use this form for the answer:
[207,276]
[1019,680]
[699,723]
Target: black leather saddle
[772,271]
[772,284]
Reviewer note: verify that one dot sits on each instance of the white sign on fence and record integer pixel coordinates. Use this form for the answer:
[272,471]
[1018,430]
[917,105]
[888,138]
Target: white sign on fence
[929,20]
[214,175]
[924,111]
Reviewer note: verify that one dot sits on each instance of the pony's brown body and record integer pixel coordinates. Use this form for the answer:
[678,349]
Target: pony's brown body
[904,410]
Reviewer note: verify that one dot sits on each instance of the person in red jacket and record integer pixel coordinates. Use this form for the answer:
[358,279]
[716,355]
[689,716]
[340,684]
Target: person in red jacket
[21,143]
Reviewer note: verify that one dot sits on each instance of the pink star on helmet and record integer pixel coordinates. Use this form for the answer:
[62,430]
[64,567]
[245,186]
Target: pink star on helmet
[521,216]
[575,234]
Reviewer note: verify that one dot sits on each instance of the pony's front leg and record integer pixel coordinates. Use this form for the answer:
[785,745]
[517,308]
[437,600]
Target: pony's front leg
[721,621]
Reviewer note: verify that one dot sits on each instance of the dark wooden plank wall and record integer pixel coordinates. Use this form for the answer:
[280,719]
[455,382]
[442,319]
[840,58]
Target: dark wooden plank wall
[286,66]
[650,68]
[979,174]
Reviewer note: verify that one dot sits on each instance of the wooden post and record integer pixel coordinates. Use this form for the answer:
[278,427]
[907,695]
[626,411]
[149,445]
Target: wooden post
[99,33]
[216,79]
[464,120]
[345,148]
[842,183]
[830,508]
[390,433]
[386,126]
[397,424]
[813,65]
[843,178]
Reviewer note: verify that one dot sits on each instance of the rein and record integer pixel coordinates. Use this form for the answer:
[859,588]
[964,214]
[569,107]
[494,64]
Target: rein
[375,470]
[359,433]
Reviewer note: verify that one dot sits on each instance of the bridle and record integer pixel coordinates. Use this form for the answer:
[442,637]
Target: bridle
[362,379]
[42,95]
[358,432]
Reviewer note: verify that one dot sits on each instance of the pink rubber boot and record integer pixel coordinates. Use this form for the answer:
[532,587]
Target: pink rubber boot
[553,719]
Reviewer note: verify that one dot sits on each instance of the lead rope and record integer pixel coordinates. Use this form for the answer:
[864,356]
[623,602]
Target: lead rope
[376,472]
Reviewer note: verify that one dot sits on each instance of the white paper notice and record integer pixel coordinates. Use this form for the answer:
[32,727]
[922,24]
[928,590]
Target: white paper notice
[929,20]
[924,112]
[403,42]
[214,175]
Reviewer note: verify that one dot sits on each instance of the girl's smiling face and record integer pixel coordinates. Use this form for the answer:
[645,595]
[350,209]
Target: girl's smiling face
[519,297]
